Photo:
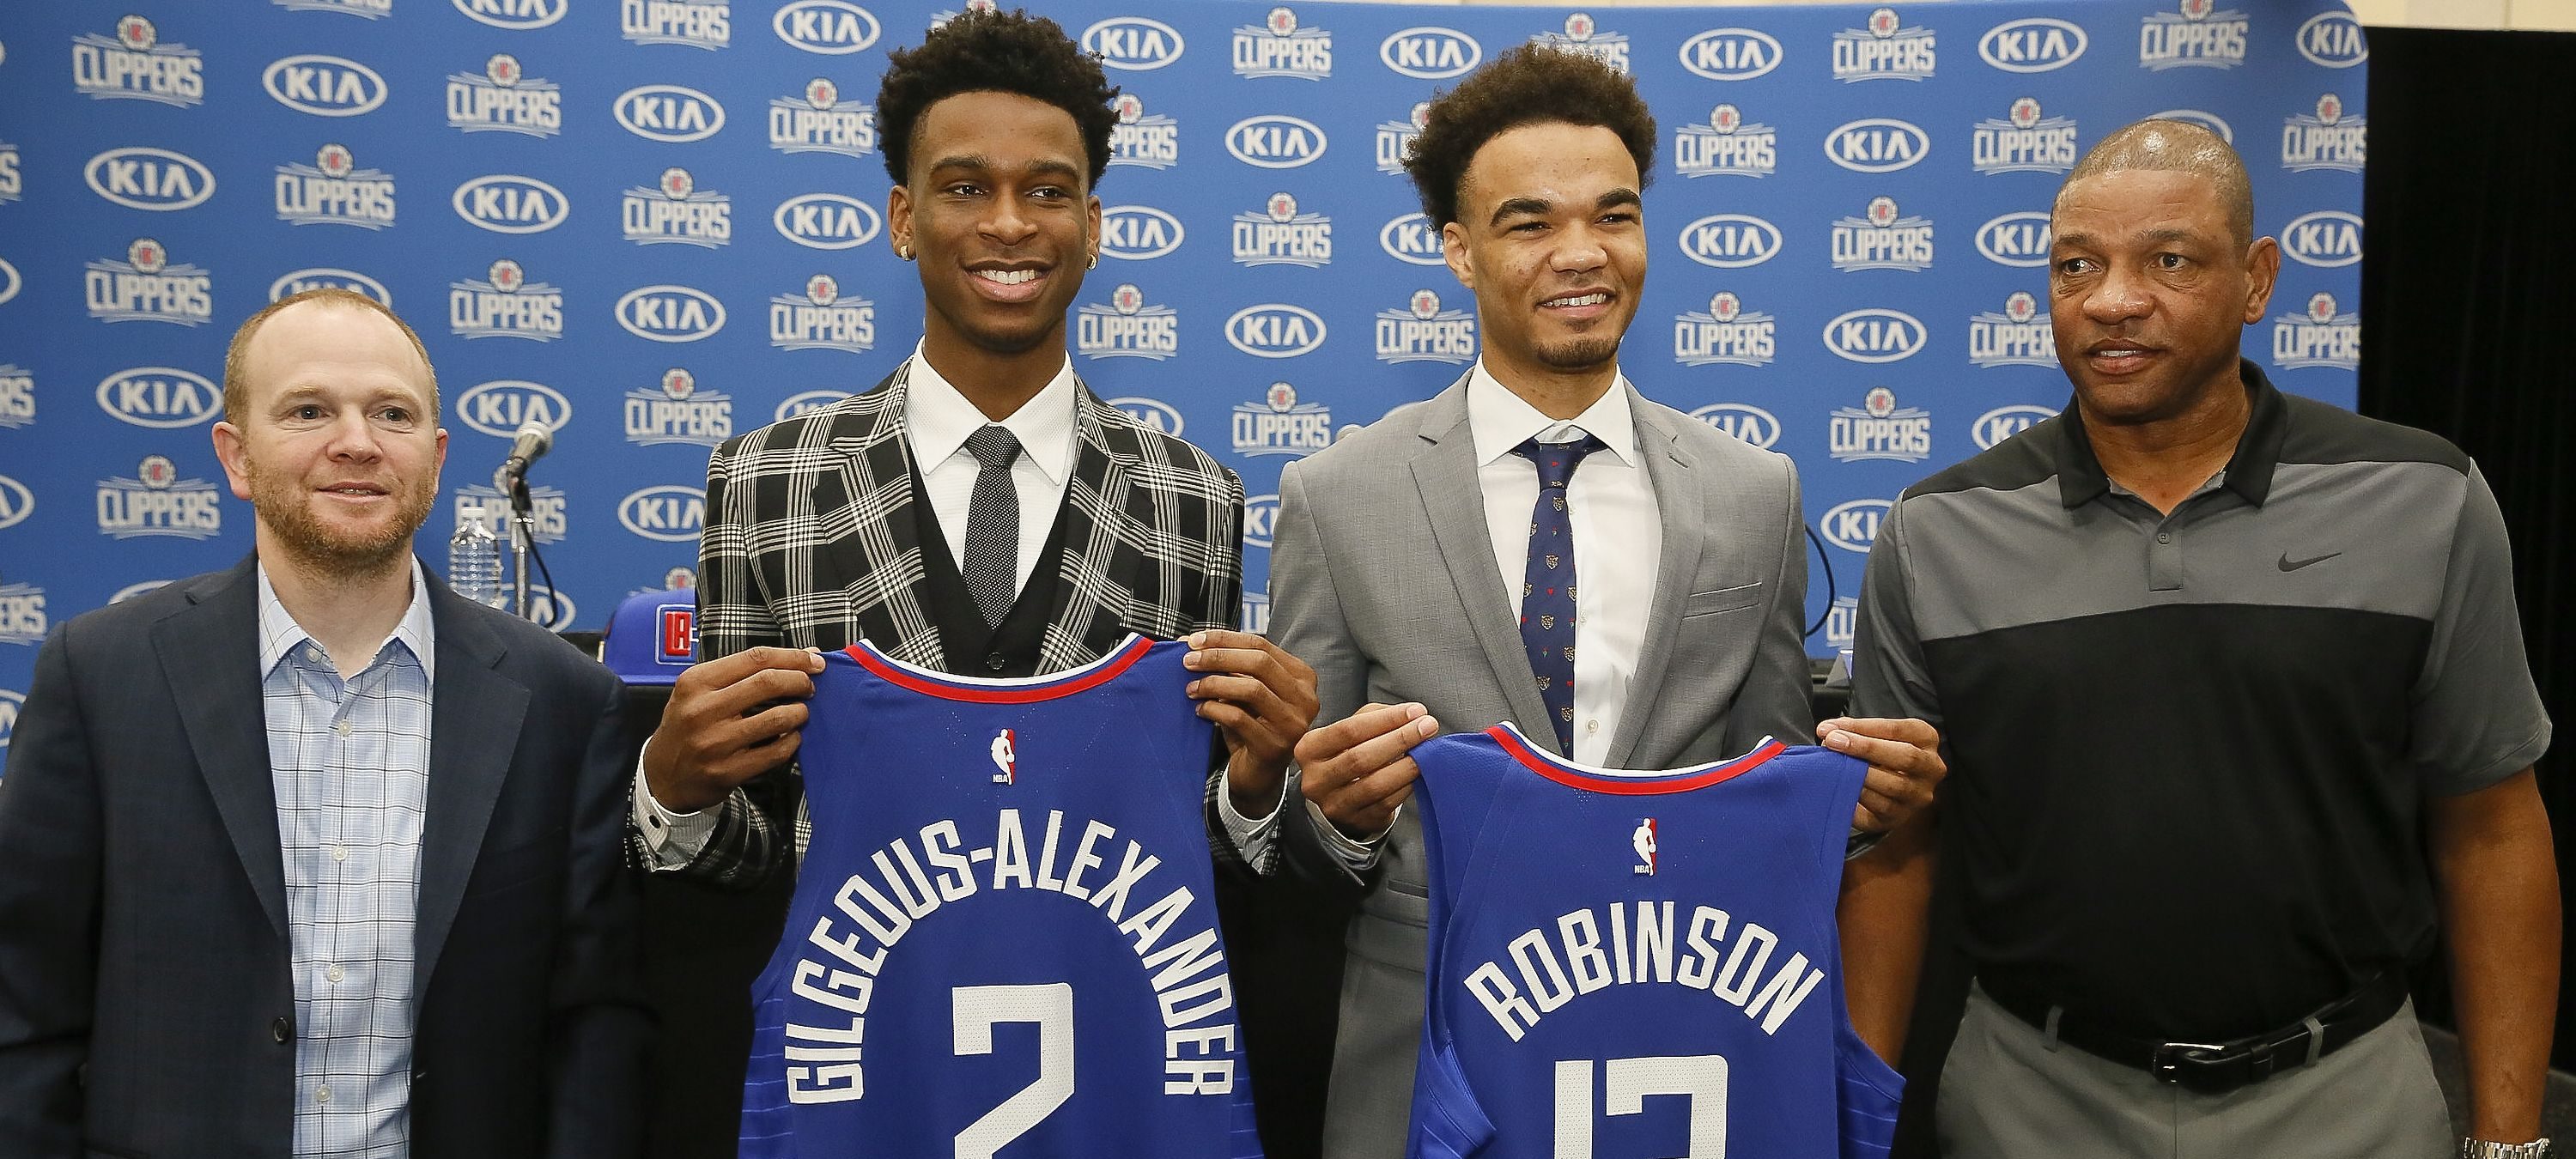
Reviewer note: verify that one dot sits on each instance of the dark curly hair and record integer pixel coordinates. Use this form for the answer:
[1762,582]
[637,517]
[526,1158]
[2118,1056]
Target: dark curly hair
[1527,85]
[994,52]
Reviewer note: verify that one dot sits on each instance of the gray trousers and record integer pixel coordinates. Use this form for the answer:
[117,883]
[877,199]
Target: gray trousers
[2008,1092]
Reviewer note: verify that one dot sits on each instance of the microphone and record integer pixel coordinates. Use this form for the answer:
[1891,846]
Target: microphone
[532,443]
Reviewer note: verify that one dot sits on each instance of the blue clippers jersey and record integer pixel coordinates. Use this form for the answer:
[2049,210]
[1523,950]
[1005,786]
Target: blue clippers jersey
[1634,964]
[1004,939]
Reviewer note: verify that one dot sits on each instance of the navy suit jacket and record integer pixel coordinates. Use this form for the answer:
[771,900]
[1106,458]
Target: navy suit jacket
[146,1007]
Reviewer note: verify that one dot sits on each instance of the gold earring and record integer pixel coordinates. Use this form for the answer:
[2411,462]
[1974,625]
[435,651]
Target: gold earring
[1095,261]
[903,249]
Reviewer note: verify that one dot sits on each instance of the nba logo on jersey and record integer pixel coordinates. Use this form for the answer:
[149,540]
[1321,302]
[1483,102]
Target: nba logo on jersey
[1006,757]
[1644,840]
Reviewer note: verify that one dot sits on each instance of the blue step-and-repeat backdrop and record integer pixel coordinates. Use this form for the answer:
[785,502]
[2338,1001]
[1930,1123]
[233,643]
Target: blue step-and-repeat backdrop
[655,223]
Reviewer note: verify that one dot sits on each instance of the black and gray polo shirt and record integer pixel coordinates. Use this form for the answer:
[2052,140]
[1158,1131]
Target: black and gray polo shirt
[2188,752]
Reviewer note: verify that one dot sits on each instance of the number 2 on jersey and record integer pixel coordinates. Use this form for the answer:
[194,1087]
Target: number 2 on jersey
[976,1010]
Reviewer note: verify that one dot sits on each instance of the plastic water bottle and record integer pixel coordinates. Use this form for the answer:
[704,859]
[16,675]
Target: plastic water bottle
[474,563]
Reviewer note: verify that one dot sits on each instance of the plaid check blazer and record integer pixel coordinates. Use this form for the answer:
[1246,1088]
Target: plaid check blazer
[811,541]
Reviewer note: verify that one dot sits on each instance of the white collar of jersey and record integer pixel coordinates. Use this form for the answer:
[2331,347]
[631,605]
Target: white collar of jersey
[1047,686]
[937,418]
[1500,420]
[1574,766]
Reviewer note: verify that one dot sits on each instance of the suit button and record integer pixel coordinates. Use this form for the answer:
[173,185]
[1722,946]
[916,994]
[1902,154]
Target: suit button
[279,1030]
[993,663]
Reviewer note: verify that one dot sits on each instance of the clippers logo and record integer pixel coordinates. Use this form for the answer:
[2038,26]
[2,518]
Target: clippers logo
[1853,526]
[154,179]
[1430,52]
[2024,141]
[676,411]
[134,65]
[1583,35]
[1281,236]
[2209,121]
[1883,50]
[2323,336]
[1256,612]
[668,313]
[1278,47]
[676,210]
[157,502]
[1275,330]
[1153,414]
[821,319]
[821,122]
[505,304]
[515,15]
[504,100]
[22,614]
[159,397]
[826,221]
[325,86]
[1281,425]
[1260,518]
[1144,140]
[17,396]
[706,24]
[1879,429]
[1006,757]
[1138,232]
[1127,327]
[2020,336]
[2020,240]
[669,513]
[145,287]
[2328,140]
[2003,422]
[1395,138]
[371,9]
[2197,36]
[674,114]
[1643,840]
[1275,141]
[1730,241]
[825,27]
[16,502]
[2327,237]
[500,407]
[1731,54]
[12,185]
[1726,147]
[1133,43]
[321,277]
[1747,422]
[2333,40]
[1880,239]
[682,579]
[811,400]
[334,191]
[1725,334]
[1412,239]
[1423,332]
[484,505]
[1875,335]
[2033,44]
[1877,145]
[678,640]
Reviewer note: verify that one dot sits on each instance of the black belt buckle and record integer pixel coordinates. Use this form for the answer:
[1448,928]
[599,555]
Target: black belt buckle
[2190,1064]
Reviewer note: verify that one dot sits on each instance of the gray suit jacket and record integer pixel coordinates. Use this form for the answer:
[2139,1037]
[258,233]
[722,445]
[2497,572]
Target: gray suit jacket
[1383,578]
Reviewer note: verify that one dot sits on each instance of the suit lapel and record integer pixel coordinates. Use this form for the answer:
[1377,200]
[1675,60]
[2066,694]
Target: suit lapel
[217,641]
[872,542]
[1453,501]
[475,717]
[1683,510]
[1089,614]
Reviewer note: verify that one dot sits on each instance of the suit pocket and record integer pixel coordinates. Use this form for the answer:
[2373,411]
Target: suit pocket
[1724,600]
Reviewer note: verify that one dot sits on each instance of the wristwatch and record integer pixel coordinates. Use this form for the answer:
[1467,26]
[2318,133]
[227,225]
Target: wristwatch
[2482,1149]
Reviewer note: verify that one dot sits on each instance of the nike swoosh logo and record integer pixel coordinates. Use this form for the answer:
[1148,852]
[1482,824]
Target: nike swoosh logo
[2289,564]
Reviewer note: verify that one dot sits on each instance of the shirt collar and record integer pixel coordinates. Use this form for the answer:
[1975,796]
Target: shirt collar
[279,633]
[938,417]
[1500,420]
[2248,472]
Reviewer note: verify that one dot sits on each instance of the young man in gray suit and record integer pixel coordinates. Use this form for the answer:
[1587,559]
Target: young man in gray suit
[1404,557]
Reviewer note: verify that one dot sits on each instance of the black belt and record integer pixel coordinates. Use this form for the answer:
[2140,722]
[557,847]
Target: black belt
[2214,1068]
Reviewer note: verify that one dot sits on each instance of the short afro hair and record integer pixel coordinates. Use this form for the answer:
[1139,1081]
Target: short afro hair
[1527,85]
[1010,52]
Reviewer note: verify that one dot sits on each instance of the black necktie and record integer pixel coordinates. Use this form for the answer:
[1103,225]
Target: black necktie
[992,563]
[1547,587]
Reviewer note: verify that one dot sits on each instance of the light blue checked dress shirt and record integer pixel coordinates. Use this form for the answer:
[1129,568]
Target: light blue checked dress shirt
[349,761]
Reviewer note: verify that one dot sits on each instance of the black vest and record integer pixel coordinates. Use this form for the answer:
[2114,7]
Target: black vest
[973,647]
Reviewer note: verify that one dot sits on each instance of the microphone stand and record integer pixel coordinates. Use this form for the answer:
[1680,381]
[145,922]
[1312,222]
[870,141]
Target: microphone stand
[522,533]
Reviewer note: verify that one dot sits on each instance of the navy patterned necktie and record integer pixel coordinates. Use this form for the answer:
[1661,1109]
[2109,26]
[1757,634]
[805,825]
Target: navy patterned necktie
[1547,586]
[993,524]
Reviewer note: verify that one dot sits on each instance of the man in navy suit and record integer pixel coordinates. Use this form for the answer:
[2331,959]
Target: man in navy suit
[314,857]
